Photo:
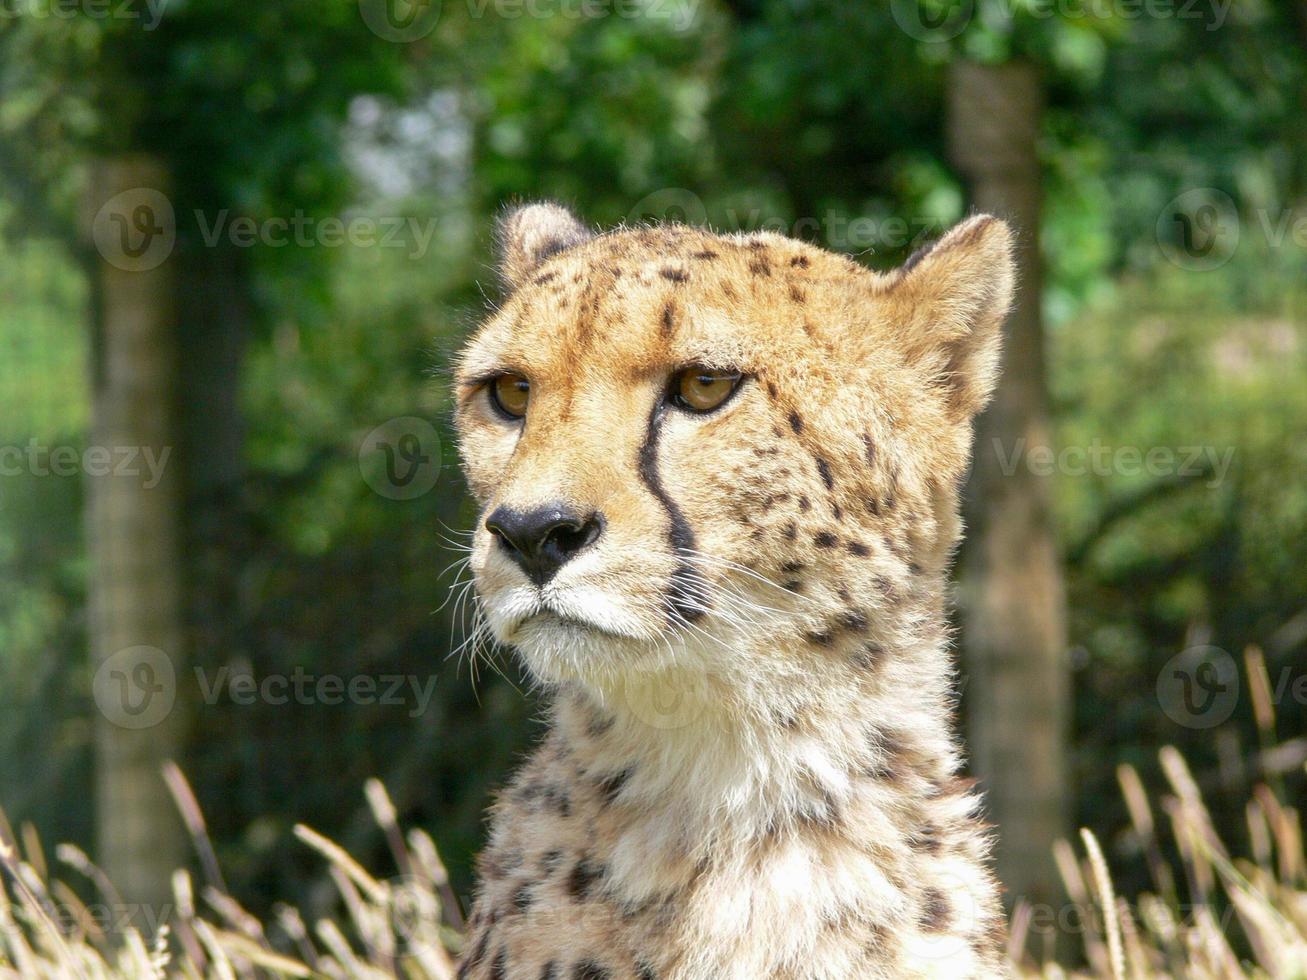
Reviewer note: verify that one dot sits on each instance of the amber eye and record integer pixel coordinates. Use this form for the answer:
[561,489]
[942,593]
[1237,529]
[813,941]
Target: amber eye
[701,389]
[510,393]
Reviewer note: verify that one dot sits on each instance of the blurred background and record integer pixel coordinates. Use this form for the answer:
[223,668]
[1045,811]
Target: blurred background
[240,244]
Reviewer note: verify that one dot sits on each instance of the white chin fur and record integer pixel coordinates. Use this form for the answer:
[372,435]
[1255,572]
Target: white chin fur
[576,634]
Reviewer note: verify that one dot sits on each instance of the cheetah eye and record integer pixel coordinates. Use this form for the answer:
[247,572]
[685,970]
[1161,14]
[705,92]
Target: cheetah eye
[509,393]
[701,389]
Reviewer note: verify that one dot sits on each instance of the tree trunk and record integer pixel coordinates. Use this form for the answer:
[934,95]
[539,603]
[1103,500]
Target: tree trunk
[132,534]
[1013,601]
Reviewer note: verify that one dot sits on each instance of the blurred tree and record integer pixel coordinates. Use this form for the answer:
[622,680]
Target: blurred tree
[133,538]
[1014,607]
[244,116]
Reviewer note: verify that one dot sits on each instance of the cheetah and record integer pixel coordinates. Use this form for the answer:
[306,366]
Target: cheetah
[719,478]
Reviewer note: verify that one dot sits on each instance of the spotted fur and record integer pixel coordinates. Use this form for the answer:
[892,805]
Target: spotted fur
[750,770]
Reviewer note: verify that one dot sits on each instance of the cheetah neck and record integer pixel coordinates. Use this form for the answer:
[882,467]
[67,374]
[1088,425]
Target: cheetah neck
[718,764]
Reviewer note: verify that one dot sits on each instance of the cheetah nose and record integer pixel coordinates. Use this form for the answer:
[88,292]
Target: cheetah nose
[543,540]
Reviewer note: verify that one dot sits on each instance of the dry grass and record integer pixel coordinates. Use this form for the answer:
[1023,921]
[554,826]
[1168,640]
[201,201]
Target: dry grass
[404,927]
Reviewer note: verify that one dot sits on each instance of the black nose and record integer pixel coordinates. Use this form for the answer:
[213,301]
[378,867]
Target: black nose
[543,540]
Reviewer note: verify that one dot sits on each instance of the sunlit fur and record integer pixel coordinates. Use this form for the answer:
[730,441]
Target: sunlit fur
[750,770]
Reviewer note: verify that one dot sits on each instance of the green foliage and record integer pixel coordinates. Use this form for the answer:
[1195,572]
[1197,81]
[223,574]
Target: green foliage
[805,117]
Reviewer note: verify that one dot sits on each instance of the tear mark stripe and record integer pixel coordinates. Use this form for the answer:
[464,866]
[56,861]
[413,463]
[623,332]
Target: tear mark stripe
[684,594]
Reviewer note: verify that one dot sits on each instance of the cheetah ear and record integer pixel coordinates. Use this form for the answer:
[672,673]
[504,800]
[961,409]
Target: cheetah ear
[950,301]
[531,233]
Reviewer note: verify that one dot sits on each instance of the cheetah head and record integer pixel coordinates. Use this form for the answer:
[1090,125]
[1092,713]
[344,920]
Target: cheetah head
[736,454]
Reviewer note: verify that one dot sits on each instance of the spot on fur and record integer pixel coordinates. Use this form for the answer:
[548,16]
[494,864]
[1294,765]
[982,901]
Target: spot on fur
[582,879]
[869,656]
[823,468]
[935,911]
[522,897]
[674,275]
[599,724]
[478,953]
[611,787]
[854,620]
[824,539]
